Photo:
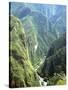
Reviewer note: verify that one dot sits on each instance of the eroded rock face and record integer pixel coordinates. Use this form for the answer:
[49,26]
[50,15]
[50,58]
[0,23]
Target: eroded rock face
[22,73]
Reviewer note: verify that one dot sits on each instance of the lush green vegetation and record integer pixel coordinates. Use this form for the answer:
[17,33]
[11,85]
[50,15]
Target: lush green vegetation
[22,73]
[55,63]
[57,79]
[37,45]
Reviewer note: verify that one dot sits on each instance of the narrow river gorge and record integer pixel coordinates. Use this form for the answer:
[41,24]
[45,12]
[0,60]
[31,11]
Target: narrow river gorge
[41,80]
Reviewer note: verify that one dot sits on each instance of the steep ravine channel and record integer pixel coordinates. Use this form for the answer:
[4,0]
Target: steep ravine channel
[41,80]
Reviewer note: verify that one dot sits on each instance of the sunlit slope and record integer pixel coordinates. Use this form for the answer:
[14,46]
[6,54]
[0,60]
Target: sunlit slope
[22,73]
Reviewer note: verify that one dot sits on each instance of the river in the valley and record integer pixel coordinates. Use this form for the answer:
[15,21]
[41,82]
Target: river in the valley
[41,81]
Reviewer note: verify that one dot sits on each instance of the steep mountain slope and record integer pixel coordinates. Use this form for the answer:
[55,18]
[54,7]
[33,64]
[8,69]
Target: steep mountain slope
[22,73]
[59,20]
[40,25]
[31,37]
[56,45]
[39,33]
[36,36]
[59,24]
[54,66]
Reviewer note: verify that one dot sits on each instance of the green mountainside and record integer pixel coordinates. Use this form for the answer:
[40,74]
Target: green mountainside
[41,26]
[39,38]
[22,73]
[37,44]
[53,69]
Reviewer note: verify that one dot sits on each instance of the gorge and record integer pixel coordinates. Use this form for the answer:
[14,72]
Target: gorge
[37,45]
